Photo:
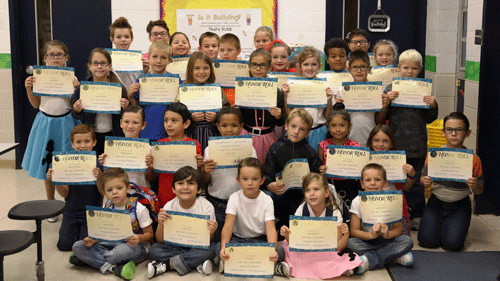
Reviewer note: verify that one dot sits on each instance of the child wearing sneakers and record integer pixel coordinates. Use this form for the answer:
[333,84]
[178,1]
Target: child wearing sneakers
[379,244]
[250,216]
[118,257]
[187,185]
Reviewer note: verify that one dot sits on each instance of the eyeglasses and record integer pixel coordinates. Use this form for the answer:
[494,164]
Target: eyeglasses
[361,42]
[459,131]
[55,56]
[262,65]
[359,67]
[102,63]
[161,34]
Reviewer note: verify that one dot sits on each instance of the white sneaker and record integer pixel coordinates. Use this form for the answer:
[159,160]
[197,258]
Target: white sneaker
[53,219]
[405,260]
[206,267]
[349,272]
[156,268]
[282,269]
[221,266]
[363,267]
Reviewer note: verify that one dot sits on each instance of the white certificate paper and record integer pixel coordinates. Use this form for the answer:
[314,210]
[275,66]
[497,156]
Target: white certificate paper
[293,173]
[158,88]
[53,81]
[450,164]
[384,74]
[256,93]
[186,230]
[201,98]
[411,92]
[346,161]
[392,161]
[101,97]
[305,92]
[249,260]
[226,71]
[362,96]
[229,151]
[282,76]
[171,156]
[381,206]
[126,60]
[73,167]
[334,79]
[312,234]
[110,225]
[179,66]
[126,153]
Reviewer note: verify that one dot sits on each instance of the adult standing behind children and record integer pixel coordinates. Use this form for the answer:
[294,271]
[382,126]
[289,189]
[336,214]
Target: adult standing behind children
[157,30]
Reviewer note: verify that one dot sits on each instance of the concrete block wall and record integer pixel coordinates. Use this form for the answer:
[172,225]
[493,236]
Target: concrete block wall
[6,99]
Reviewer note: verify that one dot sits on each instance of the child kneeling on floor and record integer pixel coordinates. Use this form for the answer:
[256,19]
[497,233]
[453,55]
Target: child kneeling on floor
[118,257]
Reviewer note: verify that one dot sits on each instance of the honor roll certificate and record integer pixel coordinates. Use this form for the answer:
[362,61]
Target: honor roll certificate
[74,167]
[249,260]
[201,98]
[381,206]
[282,76]
[178,66]
[171,156]
[229,151]
[101,97]
[384,74]
[158,88]
[256,93]
[293,172]
[305,92]
[362,96]
[411,92]
[110,225]
[226,71]
[392,161]
[53,81]
[335,78]
[312,234]
[186,230]
[346,161]
[126,60]
[126,153]
[450,164]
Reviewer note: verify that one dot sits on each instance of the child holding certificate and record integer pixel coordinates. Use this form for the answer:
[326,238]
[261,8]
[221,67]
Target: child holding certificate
[263,36]
[176,120]
[379,244]
[157,31]
[385,52]
[160,55]
[121,36]
[209,44]
[200,70]
[308,65]
[118,257]
[77,196]
[187,185]
[132,122]
[382,139]
[292,146]
[328,264]
[447,215]
[336,51]
[52,126]
[409,127]
[222,182]
[180,44]
[229,49]
[250,216]
[99,66]
[339,125]
[259,122]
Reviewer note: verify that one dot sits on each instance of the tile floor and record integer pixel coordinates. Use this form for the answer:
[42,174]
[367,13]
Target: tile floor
[16,187]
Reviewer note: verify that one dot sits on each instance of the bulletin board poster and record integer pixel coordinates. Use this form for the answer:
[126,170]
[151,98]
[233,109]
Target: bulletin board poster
[240,17]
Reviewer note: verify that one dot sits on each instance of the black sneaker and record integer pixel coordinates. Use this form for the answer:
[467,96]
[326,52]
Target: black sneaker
[75,260]
[156,268]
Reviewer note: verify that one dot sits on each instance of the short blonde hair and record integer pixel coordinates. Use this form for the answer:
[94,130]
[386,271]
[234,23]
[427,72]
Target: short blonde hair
[391,44]
[411,55]
[306,53]
[161,46]
[266,30]
[302,114]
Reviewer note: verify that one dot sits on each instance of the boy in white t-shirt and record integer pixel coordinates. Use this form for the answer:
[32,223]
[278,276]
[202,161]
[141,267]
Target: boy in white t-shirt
[250,216]
[187,184]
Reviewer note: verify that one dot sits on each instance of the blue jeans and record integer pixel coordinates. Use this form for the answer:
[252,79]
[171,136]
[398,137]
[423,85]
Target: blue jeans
[183,259]
[445,224]
[103,255]
[220,215]
[72,229]
[380,251]
[260,239]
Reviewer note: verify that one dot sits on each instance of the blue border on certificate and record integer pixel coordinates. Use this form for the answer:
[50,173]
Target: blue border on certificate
[412,79]
[301,160]
[94,208]
[362,148]
[181,57]
[56,153]
[395,104]
[121,50]
[168,75]
[202,85]
[388,192]
[289,79]
[230,61]
[332,71]
[282,73]
[439,149]
[155,143]
[334,219]
[270,245]
[398,152]
[257,79]
[227,138]
[373,83]
[204,217]
[91,83]
[141,140]
[54,68]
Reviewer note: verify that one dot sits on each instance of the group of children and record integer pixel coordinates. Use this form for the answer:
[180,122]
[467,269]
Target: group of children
[246,204]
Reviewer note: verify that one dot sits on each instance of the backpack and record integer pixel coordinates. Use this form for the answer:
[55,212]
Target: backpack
[148,198]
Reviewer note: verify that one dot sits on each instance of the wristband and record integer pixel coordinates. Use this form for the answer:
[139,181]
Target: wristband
[414,177]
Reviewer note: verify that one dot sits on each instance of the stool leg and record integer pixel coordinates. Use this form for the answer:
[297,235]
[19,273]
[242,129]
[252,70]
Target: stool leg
[1,268]
[40,270]
[40,265]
